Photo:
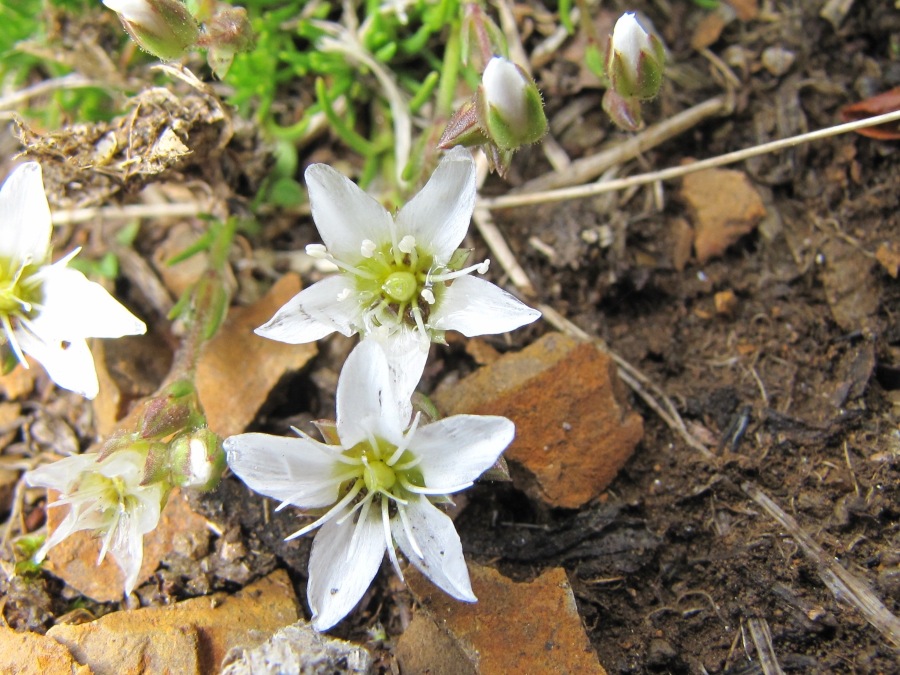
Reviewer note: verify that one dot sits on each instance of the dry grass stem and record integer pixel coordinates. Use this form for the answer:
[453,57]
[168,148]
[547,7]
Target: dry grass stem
[843,584]
[765,650]
[582,191]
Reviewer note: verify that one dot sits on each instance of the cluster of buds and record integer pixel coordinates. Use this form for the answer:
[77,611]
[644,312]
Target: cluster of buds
[505,114]
[167,30]
[634,65]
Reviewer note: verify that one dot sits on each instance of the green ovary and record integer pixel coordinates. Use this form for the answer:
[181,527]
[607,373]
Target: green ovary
[400,286]
[378,476]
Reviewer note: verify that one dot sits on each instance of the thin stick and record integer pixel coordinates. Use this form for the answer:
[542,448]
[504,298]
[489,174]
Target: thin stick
[593,189]
[70,216]
[765,650]
[71,81]
[844,585]
[589,168]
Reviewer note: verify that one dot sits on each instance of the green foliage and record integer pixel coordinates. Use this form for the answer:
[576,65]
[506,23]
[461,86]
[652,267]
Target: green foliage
[306,52]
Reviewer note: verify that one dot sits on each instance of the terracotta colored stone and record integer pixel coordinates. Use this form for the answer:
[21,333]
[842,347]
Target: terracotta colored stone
[74,560]
[574,430]
[724,206]
[33,654]
[889,257]
[238,368]
[19,382]
[726,302]
[531,627]
[746,10]
[179,277]
[189,637]
[9,413]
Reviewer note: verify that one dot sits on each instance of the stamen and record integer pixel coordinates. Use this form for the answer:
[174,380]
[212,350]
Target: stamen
[367,248]
[481,268]
[431,491]
[407,244]
[406,466]
[407,528]
[389,538]
[427,296]
[364,514]
[11,339]
[404,444]
[335,481]
[344,294]
[350,496]
[319,251]
[420,324]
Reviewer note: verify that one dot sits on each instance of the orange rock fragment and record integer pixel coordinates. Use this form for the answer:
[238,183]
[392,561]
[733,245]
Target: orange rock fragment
[531,627]
[238,368]
[33,654]
[724,206]
[574,430]
[192,636]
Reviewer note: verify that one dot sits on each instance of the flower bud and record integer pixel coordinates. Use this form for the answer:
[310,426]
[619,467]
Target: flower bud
[196,459]
[635,60]
[509,105]
[227,33]
[164,28]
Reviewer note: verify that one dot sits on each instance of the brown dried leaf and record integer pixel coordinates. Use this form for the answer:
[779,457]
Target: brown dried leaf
[881,104]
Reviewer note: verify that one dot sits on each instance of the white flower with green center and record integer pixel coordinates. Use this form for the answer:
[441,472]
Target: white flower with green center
[401,279]
[106,497]
[376,484]
[47,310]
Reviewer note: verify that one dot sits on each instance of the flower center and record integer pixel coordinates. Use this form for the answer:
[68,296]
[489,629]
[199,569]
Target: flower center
[19,290]
[383,470]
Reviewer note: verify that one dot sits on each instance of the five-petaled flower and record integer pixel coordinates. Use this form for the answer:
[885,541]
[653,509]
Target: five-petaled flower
[401,279]
[106,496]
[47,310]
[376,483]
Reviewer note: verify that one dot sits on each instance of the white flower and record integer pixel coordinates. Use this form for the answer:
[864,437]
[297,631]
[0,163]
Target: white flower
[376,484]
[400,278]
[47,310]
[106,497]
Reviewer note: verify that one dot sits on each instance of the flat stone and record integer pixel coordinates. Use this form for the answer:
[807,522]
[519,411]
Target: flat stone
[848,277]
[238,368]
[724,206]
[178,278]
[33,654]
[574,430]
[74,560]
[188,637]
[300,650]
[530,627]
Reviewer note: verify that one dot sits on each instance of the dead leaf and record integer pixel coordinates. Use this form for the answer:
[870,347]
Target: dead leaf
[881,104]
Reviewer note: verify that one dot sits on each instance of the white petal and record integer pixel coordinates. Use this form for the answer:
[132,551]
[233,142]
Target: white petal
[406,351]
[74,307]
[366,403]
[297,470]
[438,216]
[344,214]
[456,450]
[68,363]
[314,313]
[60,475]
[443,561]
[127,548]
[25,224]
[338,574]
[474,306]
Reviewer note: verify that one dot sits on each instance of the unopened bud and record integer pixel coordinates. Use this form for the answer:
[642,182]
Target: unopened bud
[164,28]
[197,459]
[509,105]
[635,60]
[227,33]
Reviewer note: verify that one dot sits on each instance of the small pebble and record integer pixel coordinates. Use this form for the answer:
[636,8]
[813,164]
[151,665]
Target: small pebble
[778,60]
